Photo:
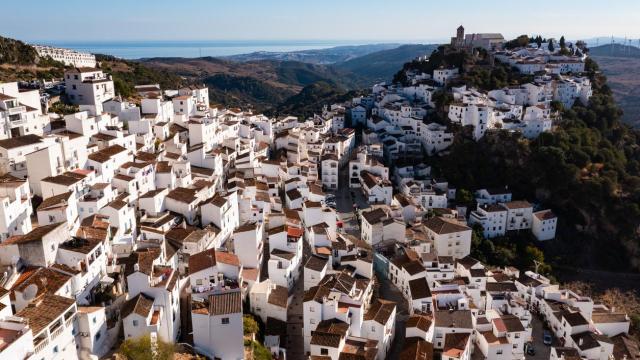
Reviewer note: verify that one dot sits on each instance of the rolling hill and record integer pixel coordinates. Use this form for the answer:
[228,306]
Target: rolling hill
[382,65]
[317,56]
[298,82]
[621,65]
[269,83]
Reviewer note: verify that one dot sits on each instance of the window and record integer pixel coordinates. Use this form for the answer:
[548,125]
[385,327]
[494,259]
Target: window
[499,352]
[55,349]
[324,351]
[135,322]
[225,321]
[94,320]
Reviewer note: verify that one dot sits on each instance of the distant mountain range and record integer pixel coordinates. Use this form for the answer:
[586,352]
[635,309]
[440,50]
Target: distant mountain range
[615,50]
[317,56]
[605,40]
[268,81]
[298,82]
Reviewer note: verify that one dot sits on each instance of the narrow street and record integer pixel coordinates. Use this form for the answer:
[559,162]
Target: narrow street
[542,350]
[389,292]
[295,339]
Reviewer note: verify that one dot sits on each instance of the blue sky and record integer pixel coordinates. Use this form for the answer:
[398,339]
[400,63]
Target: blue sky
[370,20]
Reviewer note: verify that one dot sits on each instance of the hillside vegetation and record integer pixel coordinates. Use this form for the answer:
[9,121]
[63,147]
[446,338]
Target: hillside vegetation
[587,170]
[19,61]
[277,85]
[381,65]
[127,74]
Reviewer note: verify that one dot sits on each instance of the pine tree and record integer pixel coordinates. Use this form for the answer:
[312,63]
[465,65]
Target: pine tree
[562,43]
[539,41]
[551,48]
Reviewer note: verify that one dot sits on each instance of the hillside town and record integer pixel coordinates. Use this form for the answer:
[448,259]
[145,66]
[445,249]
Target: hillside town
[170,217]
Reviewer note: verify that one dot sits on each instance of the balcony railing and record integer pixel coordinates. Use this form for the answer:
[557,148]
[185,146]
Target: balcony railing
[57,332]
[41,345]
[17,110]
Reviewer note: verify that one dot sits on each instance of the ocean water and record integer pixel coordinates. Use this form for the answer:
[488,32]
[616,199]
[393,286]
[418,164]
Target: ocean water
[147,49]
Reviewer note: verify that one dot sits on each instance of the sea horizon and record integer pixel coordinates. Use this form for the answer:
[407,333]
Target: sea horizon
[139,49]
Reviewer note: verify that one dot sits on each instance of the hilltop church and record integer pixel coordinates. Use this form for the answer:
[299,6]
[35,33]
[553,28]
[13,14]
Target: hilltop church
[488,41]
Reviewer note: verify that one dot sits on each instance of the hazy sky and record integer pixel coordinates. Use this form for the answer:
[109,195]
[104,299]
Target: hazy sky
[370,20]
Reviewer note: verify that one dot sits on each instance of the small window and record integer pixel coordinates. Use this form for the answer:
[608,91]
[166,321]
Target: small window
[324,351]
[225,321]
[135,322]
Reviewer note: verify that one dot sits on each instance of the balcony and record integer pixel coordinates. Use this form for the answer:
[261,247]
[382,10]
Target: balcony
[17,110]
[55,333]
[39,346]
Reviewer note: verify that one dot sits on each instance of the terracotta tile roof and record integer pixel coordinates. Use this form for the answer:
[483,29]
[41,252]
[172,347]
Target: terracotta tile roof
[545,215]
[225,303]
[374,216]
[106,153]
[202,260]
[419,288]
[329,333]
[140,304]
[416,349]
[55,201]
[521,204]
[455,344]
[512,323]
[144,258]
[445,226]
[46,280]
[279,296]
[316,263]
[19,141]
[62,179]
[421,322]
[80,245]
[34,235]
[44,310]
[183,195]
[152,193]
[456,318]
[380,311]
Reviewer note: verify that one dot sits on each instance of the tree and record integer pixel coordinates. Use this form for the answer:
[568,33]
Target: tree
[250,326]
[551,48]
[464,197]
[539,41]
[562,43]
[141,349]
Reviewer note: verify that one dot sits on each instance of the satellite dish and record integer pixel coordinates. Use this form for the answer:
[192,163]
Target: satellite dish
[30,292]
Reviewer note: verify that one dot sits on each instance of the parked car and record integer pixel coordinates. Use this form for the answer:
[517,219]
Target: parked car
[529,349]
[547,339]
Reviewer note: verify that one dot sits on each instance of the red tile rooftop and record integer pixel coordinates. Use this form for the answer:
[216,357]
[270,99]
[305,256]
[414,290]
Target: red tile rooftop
[8,336]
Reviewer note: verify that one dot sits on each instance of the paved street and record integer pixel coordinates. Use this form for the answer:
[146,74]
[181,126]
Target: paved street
[542,350]
[389,292]
[295,339]
[345,198]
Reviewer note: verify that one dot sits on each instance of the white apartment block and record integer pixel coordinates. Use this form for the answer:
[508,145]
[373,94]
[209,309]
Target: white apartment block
[67,56]
[88,86]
